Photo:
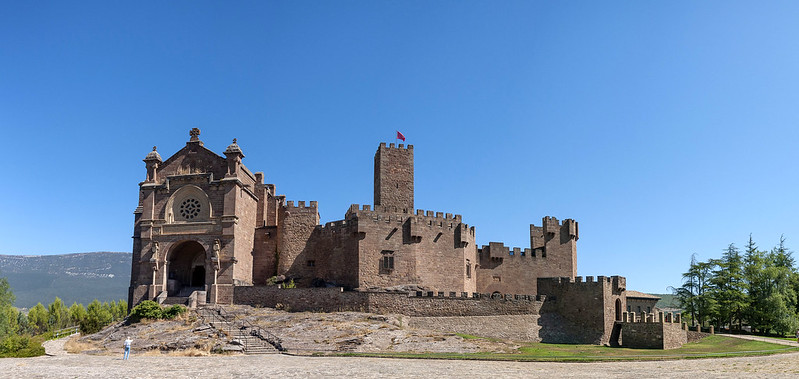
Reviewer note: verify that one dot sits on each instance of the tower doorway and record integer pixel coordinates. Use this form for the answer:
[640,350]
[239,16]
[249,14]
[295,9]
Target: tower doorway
[198,276]
[187,269]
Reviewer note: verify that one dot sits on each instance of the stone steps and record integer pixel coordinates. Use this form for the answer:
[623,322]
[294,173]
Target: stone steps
[176,300]
[251,344]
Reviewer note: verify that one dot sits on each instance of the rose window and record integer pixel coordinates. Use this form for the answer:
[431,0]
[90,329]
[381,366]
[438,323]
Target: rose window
[190,209]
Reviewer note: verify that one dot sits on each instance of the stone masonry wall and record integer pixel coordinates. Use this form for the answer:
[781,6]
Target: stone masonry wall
[587,308]
[336,299]
[514,327]
[394,176]
[515,270]
[429,249]
[653,335]
[297,224]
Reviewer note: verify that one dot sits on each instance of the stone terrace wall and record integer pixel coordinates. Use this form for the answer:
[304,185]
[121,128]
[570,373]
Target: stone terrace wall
[653,335]
[674,336]
[336,299]
[510,327]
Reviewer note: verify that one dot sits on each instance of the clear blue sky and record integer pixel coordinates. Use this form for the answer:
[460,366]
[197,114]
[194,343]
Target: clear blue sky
[665,128]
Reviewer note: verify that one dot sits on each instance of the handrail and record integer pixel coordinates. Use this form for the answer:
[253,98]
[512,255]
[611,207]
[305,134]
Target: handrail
[220,314]
[68,331]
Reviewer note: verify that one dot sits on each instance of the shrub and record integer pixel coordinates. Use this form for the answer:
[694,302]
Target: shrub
[146,309]
[20,347]
[173,311]
[152,310]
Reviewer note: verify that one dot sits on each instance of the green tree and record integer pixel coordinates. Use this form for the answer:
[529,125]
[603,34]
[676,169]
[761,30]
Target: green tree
[729,288]
[97,317]
[8,315]
[57,315]
[771,280]
[122,309]
[77,313]
[38,319]
[694,295]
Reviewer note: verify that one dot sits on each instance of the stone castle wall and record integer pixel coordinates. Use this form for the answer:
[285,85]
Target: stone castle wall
[653,335]
[508,327]
[552,254]
[437,305]
[587,308]
[429,249]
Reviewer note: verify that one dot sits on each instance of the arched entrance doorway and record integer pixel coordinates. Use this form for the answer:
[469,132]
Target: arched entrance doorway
[186,269]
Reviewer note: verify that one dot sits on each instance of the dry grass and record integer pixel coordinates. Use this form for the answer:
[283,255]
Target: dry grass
[75,346]
[194,352]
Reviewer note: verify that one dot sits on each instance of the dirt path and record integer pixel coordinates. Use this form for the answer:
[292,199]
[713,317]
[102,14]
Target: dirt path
[55,347]
[81,365]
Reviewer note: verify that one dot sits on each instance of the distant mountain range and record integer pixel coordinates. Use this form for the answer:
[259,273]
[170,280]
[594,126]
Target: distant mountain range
[81,278]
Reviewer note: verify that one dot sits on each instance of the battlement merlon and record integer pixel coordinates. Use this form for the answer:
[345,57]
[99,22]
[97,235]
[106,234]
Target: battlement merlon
[302,209]
[392,146]
[616,282]
[551,226]
[427,215]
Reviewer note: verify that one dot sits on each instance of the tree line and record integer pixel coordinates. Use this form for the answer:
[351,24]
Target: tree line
[18,328]
[754,288]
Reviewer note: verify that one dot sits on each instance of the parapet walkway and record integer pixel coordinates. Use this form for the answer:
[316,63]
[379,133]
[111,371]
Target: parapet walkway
[764,339]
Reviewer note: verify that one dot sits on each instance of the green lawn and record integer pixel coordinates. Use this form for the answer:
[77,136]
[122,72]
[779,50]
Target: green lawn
[712,346]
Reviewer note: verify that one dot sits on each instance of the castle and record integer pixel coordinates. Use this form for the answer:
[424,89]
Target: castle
[208,230]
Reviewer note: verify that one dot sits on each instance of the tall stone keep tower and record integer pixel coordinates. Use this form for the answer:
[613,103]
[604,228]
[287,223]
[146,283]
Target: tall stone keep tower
[394,177]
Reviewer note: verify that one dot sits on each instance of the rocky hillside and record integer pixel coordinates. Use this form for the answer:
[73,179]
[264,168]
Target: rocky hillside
[72,277]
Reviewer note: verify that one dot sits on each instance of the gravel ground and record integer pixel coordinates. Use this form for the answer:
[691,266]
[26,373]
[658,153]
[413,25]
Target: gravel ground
[63,365]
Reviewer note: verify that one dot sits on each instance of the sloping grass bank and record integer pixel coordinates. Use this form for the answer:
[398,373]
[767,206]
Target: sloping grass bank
[712,346]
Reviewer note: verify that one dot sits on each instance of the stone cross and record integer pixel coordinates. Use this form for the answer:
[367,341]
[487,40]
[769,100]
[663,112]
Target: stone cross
[195,134]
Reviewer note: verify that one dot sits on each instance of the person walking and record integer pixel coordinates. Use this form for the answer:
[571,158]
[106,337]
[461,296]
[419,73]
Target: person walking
[128,341]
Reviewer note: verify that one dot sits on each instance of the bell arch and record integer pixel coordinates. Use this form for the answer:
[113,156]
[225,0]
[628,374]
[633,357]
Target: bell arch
[188,204]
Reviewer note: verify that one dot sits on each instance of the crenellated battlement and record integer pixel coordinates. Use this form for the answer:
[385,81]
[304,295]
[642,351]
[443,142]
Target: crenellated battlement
[420,218]
[477,296]
[301,205]
[584,280]
[550,226]
[393,146]
[499,250]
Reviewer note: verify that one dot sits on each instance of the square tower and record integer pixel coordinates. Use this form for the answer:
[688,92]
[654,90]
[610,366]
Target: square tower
[394,176]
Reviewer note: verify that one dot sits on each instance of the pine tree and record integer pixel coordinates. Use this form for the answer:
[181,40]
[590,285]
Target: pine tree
[729,287]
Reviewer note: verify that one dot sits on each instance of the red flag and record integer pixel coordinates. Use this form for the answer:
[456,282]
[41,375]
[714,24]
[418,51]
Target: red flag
[400,136]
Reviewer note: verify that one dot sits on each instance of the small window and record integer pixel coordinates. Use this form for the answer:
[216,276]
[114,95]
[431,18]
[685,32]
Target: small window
[629,308]
[648,310]
[497,278]
[387,261]
[639,309]
[311,263]
[468,269]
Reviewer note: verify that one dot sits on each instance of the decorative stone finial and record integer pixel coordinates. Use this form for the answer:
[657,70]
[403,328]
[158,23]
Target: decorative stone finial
[234,148]
[195,134]
[153,156]
[155,148]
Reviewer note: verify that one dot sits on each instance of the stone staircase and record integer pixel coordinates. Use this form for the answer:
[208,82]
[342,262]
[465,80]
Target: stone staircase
[252,339]
[182,300]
